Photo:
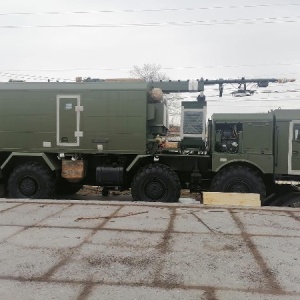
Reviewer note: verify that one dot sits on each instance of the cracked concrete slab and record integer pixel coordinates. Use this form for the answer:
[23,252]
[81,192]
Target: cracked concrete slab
[81,250]
[38,290]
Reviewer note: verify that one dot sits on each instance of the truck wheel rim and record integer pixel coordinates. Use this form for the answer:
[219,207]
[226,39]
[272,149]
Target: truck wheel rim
[155,189]
[28,186]
[238,187]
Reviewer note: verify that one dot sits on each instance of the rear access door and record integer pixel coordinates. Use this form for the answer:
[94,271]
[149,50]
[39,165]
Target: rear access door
[68,120]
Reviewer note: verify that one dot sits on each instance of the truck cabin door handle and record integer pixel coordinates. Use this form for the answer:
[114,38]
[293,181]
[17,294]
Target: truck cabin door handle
[295,152]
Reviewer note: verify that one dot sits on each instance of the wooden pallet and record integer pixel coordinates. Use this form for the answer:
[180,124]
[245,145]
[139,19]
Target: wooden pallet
[238,199]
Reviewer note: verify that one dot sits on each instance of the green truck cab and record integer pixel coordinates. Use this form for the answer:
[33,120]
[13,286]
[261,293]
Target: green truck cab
[250,152]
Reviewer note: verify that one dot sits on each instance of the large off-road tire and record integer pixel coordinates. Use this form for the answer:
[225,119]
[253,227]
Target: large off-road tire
[238,179]
[31,180]
[156,182]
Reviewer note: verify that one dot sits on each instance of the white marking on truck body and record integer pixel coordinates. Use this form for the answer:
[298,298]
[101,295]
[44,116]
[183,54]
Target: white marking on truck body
[78,133]
[47,144]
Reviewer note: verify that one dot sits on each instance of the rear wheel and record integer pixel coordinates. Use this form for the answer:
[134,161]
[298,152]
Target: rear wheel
[31,180]
[156,183]
[238,179]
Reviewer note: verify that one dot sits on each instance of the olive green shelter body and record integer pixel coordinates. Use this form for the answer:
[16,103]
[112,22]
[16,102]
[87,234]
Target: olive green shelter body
[55,135]
[75,117]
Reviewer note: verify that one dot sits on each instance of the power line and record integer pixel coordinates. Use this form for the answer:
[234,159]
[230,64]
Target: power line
[65,70]
[231,66]
[271,20]
[150,10]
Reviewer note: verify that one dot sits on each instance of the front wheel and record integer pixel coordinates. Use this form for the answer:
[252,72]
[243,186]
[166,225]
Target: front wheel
[156,182]
[238,179]
[31,180]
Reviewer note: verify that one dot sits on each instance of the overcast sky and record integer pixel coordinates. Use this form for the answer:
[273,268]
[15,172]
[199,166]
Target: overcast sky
[62,39]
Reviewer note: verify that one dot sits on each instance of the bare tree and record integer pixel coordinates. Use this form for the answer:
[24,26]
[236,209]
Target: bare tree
[149,72]
[152,72]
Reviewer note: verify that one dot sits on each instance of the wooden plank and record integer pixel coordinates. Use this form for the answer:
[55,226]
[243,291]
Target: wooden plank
[238,199]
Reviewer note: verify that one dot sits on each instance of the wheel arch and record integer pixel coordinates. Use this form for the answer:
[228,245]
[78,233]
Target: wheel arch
[244,174]
[16,158]
[243,163]
[268,178]
[139,162]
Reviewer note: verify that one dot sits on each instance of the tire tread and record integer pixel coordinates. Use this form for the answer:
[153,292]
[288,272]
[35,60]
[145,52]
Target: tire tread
[159,169]
[221,178]
[41,172]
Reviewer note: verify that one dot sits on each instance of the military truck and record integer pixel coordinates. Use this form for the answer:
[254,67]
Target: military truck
[56,137]
[250,152]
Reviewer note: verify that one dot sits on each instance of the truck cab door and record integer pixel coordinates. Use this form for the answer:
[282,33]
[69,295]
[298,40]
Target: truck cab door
[294,148]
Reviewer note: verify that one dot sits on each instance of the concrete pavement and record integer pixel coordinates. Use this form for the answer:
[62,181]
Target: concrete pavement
[56,249]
